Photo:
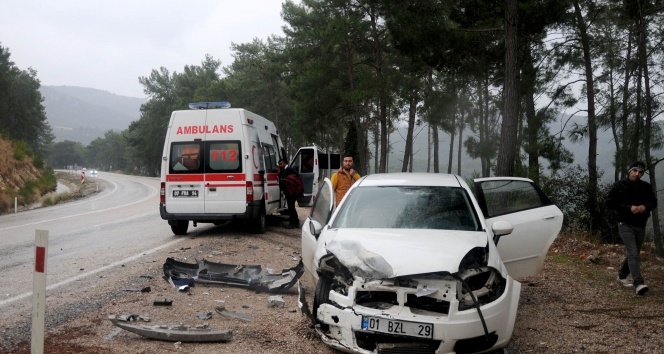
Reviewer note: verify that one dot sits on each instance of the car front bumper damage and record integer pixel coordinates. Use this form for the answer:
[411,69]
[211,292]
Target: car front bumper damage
[339,320]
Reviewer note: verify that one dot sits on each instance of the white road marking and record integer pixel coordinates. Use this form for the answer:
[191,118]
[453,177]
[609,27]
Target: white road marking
[154,192]
[87,274]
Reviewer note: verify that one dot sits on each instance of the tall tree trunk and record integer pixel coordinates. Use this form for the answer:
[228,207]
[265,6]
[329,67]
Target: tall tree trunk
[379,65]
[412,113]
[613,117]
[592,124]
[460,140]
[623,162]
[436,148]
[508,130]
[376,144]
[643,63]
[484,126]
[534,123]
[450,156]
[429,148]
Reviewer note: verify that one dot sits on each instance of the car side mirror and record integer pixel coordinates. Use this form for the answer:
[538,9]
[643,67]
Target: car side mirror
[500,229]
[315,228]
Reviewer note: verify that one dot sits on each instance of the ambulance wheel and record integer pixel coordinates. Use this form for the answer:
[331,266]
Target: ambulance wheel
[258,225]
[180,227]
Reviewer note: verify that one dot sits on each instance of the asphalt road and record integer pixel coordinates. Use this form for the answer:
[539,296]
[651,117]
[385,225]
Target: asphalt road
[102,245]
[85,238]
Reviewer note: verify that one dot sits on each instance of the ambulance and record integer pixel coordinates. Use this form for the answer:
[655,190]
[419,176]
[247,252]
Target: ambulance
[219,164]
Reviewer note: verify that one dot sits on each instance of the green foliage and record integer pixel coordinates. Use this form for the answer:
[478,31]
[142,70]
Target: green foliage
[47,182]
[108,153]
[21,150]
[564,259]
[66,153]
[351,146]
[569,191]
[22,116]
[29,192]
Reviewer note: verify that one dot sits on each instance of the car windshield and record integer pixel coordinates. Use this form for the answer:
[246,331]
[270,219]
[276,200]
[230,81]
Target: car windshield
[411,207]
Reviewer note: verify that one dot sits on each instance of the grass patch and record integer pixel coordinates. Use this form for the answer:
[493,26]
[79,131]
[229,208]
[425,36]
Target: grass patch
[60,198]
[564,259]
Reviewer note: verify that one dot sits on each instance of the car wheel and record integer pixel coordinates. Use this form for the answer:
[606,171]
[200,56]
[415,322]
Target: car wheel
[258,225]
[180,227]
[322,296]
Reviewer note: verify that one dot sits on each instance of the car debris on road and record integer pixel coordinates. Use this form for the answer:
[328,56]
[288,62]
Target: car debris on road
[174,333]
[249,276]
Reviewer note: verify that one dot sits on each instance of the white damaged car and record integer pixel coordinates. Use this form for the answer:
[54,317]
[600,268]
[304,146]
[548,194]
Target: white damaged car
[411,262]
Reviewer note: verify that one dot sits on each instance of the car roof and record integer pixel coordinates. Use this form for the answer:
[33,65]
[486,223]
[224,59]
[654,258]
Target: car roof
[411,179]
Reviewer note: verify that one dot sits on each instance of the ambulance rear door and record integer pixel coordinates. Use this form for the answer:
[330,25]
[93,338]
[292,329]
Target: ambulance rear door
[271,157]
[184,181]
[225,176]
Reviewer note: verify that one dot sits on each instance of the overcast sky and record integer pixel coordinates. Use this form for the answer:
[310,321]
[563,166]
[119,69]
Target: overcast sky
[108,44]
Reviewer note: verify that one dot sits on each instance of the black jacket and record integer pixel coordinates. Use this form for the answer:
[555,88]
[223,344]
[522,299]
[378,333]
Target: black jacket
[290,182]
[625,193]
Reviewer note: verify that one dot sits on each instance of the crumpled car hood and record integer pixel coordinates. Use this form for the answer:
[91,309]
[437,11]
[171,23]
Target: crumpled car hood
[386,253]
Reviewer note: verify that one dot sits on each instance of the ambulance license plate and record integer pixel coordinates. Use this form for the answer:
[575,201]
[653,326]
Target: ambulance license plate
[404,328]
[185,194]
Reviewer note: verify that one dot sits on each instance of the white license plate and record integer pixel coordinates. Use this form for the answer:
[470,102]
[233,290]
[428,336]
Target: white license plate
[404,328]
[185,194]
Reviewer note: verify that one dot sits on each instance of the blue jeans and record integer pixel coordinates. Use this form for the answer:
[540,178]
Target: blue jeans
[632,237]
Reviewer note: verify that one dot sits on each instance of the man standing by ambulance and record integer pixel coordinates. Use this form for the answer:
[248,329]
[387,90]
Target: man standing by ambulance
[632,199]
[344,178]
[291,185]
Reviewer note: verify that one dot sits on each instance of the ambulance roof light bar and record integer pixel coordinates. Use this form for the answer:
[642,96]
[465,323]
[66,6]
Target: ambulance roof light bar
[209,105]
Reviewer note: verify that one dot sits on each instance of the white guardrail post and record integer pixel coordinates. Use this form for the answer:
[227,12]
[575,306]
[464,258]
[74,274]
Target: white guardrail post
[39,292]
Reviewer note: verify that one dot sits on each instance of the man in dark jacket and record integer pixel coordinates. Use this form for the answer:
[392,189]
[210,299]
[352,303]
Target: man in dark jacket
[287,182]
[632,199]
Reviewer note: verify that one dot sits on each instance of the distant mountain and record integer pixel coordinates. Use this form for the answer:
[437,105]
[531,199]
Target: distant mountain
[84,114]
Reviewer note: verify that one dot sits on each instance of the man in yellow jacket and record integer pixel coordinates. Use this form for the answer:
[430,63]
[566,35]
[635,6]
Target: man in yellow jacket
[344,178]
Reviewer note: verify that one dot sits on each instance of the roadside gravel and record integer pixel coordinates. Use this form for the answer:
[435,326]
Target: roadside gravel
[574,306]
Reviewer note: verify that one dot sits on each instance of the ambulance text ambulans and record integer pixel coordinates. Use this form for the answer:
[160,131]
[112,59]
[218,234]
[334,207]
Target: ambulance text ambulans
[219,164]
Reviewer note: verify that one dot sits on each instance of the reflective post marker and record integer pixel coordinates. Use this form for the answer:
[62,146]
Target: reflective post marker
[39,292]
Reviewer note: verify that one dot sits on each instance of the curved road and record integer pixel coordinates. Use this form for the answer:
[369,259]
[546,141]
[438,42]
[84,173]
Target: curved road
[85,237]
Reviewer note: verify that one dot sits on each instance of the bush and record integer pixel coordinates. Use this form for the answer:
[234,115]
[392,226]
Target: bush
[21,150]
[569,191]
[28,193]
[48,182]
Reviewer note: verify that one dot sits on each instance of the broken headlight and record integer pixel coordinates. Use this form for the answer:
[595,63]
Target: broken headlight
[475,258]
[485,283]
[331,268]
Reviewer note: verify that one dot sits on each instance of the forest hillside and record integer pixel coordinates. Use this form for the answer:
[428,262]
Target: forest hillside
[20,178]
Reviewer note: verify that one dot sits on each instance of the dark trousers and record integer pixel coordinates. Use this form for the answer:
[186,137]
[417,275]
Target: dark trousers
[293,220]
[632,237]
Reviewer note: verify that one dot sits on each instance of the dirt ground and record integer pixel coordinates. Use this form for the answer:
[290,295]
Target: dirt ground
[575,305]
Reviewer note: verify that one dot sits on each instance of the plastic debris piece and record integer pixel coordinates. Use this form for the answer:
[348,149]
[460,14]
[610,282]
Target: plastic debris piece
[232,314]
[165,302]
[176,333]
[276,301]
[146,289]
[204,316]
[248,276]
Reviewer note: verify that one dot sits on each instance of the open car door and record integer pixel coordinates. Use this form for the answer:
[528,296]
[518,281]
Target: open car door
[320,215]
[536,220]
[313,164]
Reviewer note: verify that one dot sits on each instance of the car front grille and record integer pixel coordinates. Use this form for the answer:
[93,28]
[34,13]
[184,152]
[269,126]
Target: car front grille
[424,303]
[386,344]
[380,300]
